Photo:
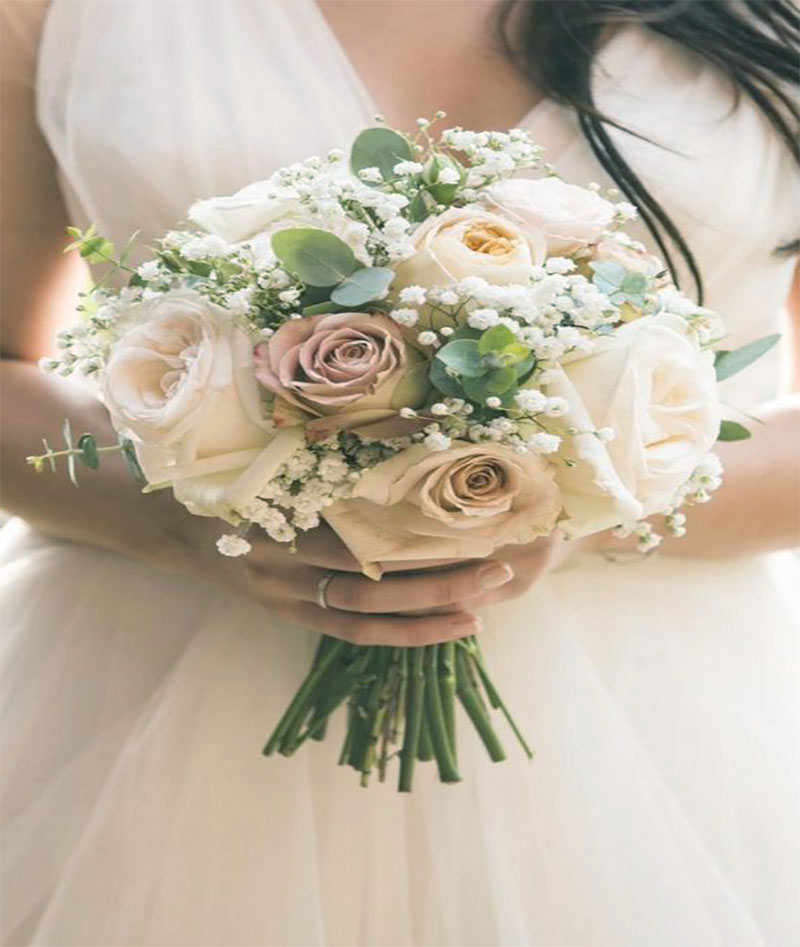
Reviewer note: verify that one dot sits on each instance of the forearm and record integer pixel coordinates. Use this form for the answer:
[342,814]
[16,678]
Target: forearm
[108,509]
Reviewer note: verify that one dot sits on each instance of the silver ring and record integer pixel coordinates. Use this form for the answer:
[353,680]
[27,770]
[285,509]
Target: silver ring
[322,588]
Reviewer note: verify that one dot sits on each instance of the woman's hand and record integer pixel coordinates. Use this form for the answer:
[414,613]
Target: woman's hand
[361,610]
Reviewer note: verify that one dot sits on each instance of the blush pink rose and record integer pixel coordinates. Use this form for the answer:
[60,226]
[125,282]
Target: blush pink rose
[347,370]
[459,503]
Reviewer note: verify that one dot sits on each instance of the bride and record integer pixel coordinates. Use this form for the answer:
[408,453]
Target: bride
[142,672]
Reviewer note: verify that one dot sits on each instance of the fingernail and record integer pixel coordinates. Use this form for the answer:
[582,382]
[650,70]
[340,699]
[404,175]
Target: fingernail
[494,574]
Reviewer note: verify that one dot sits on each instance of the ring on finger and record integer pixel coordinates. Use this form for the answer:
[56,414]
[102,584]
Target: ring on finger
[322,588]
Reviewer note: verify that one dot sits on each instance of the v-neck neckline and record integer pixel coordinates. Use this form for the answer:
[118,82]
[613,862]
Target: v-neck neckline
[363,91]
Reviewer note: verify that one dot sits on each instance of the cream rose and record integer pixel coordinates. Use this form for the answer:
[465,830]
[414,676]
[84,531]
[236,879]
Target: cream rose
[567,215]
[347,370]
[470,241]
[181,383]
[249,211]
[460,503]
[658,392]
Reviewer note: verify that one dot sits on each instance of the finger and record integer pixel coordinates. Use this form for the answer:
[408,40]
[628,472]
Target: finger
[385,629]
[394,592]
[320,547]
[415,565]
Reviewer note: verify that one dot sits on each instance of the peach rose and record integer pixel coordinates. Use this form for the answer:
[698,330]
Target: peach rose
[470,241]
[347,370]
[459,503]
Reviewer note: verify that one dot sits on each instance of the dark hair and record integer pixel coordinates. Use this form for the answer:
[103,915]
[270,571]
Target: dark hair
[754,42]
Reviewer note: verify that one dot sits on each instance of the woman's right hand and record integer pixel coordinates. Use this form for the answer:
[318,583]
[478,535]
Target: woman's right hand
[360,610]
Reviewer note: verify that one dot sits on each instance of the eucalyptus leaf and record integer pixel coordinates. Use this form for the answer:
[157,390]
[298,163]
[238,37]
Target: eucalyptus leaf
[727,363]
[463,356]
[87,445]
[732,431]
[418,209]
[380,148]
[443,382]
[501,380]
[608,275]
[66,433]
[496,339]
[132,461]
[524,367]
[634,284]
[317,257]
[319,308]
[362,285]
[515,353]
[479,389]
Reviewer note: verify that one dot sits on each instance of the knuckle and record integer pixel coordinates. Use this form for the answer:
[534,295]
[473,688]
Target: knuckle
[448,590]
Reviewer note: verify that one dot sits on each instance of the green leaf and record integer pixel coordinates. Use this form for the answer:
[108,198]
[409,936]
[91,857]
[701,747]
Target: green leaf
[731,431]
[496,339]
[319,308]
[501,380]
[608,275]
[727,363]
[362,286]
[66,433]
[87,445]
[445,383]
[128,248]
[315,256]
[524,368]
[96,250]
[515,353]
[380,148]
[479,389]
[634,284]
[132,461]
[463,356]
[418,209]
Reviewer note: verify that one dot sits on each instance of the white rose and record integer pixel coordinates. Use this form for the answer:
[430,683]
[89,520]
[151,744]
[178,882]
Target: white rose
[470,241]
[245,213]
[568,216]
[658,392]
[181,383]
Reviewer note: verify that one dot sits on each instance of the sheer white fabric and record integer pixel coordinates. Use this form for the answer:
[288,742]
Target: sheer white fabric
[661,697]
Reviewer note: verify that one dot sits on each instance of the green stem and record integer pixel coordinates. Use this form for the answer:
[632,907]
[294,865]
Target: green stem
[425,750]
[376,708]
[447,689]
[496,700]
[473,705]
[299,706]
[414,702]
[448,772]
[349,735]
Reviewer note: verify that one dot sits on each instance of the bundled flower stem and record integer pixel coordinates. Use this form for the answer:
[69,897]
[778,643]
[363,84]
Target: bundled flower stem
[401,702]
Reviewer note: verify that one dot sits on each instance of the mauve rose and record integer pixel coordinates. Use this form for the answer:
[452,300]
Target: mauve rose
[346,370]
[459,503]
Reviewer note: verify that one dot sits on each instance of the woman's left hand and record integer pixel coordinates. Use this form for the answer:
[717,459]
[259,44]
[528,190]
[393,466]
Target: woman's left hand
[529,563]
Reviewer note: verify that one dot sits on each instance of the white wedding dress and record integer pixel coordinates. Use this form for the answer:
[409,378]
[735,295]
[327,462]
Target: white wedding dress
[661,809]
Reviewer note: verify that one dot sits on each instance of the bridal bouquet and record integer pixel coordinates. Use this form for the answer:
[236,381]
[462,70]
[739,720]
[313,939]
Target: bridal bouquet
[435,355]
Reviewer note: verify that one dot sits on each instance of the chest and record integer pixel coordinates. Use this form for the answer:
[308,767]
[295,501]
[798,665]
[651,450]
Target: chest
[415,57]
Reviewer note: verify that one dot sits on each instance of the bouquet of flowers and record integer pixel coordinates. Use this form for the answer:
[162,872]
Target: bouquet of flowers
[435,355]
